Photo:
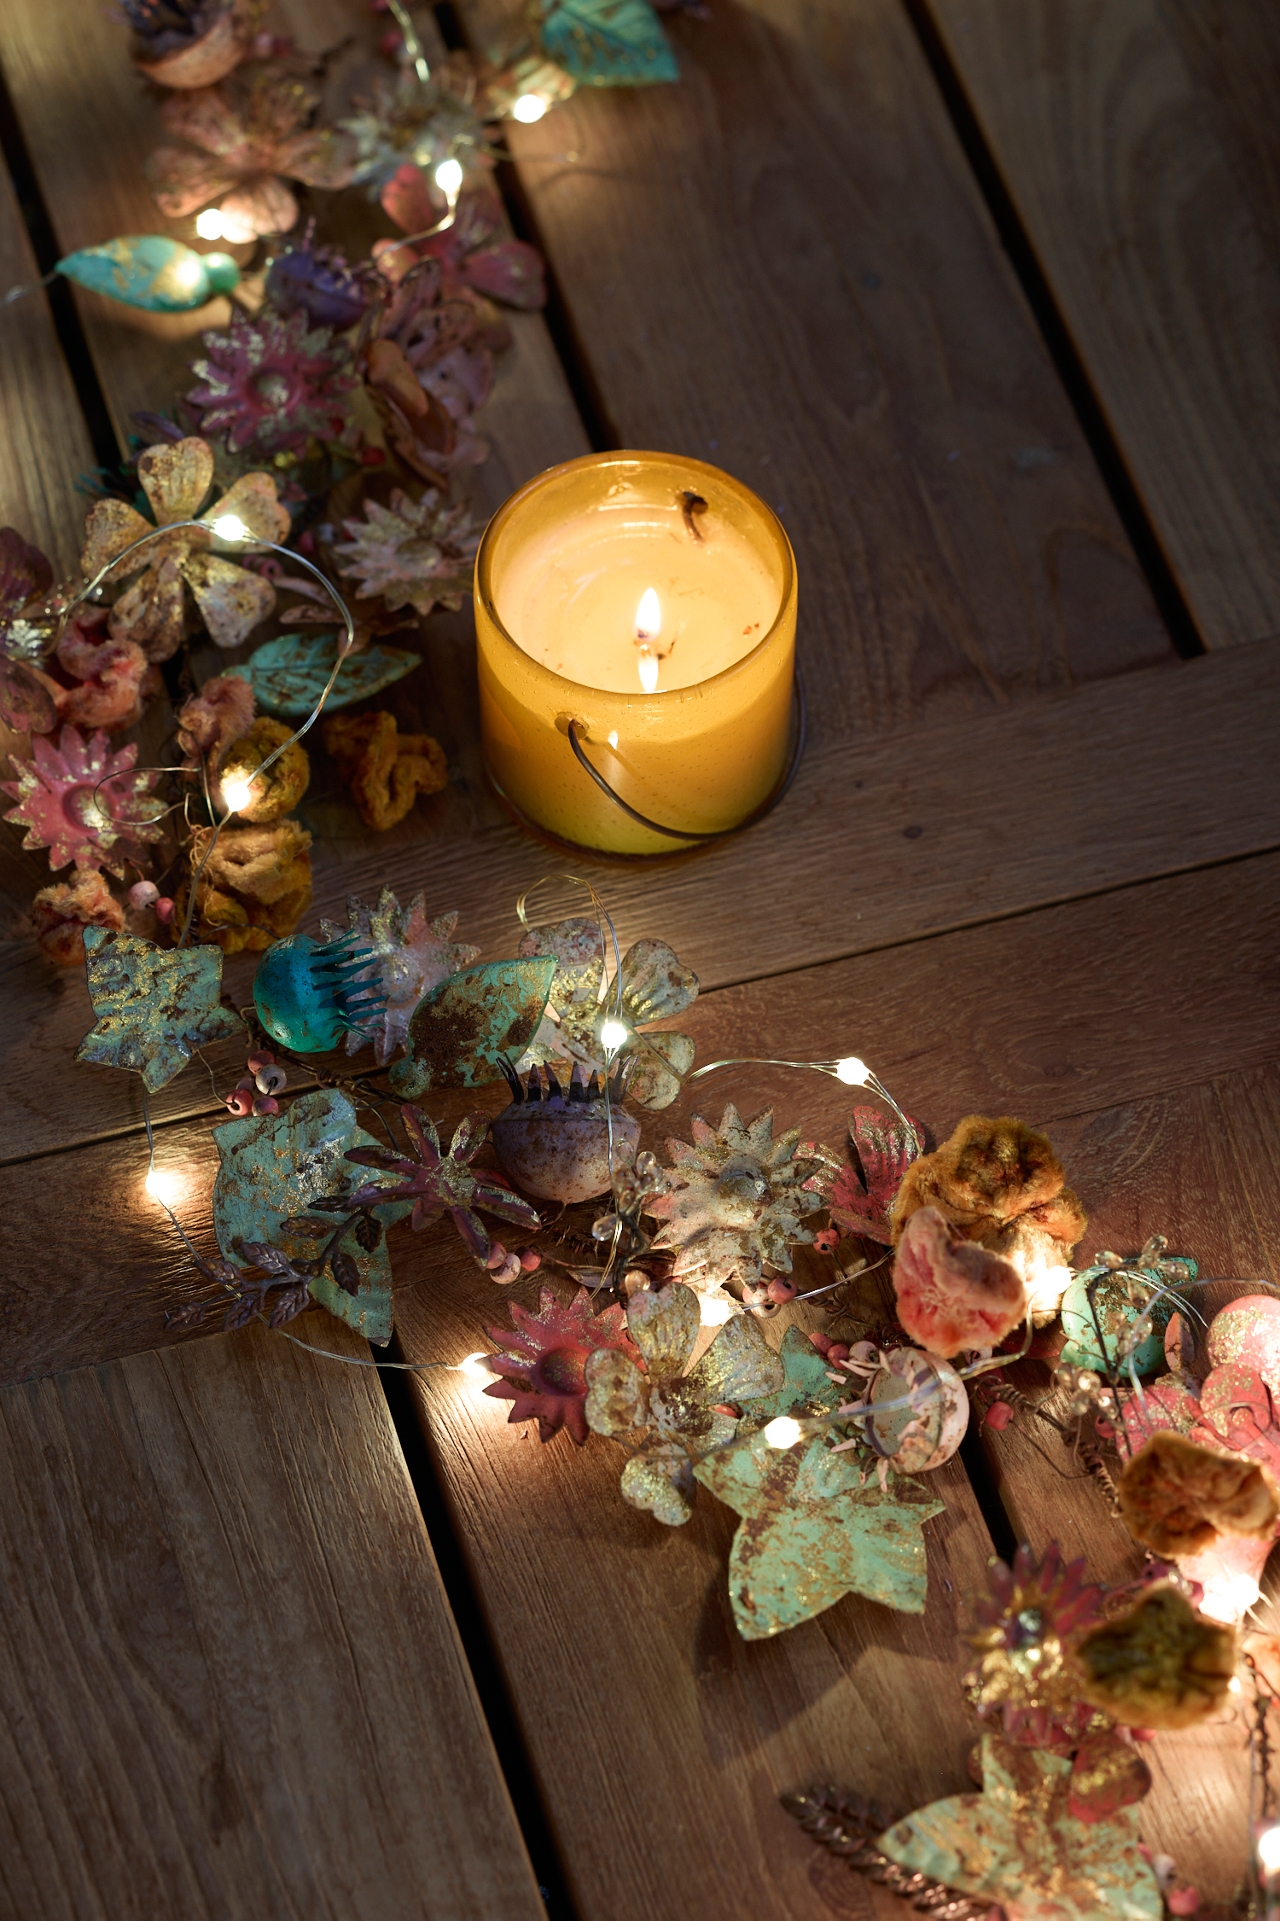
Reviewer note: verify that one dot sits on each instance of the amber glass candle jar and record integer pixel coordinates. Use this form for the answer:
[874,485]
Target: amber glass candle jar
[652,600]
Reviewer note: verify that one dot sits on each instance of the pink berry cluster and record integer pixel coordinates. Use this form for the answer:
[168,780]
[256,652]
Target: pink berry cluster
[507,1267]
[256,1092]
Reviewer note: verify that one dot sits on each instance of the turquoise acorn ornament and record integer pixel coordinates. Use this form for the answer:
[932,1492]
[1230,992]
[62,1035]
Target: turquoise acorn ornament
[1122,1290]
[310,994]
[152,271]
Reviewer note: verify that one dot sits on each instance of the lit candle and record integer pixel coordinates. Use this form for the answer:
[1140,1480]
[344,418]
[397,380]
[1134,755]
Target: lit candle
[653,601]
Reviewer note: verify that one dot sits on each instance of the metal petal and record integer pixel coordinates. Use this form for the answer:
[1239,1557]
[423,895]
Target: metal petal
[232,601]
[664,1326]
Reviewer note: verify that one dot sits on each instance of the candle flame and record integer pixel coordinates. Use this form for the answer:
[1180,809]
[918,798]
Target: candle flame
[648,627]
[648,616]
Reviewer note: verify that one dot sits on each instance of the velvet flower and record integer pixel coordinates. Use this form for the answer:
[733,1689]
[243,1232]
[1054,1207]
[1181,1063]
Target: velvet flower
[1177,1497]
[1000,1183]
[953,1295]
[1162,1665]
[229,599]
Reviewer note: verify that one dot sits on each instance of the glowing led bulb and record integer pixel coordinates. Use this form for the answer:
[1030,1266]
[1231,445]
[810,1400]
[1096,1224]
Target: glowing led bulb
[237,791]
[528,108]
[476,1368]
[1268,1846]
[163,1186]
[714,1309]
[612,1035]
[209,224]
[449,179]
[230,527]
[852,1071]
[784,1432]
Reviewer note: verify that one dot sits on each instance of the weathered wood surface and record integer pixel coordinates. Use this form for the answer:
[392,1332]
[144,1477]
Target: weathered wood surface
[1136,140]
[904,839]
[42,429]
[231,1684]
[822,296]
[782,266]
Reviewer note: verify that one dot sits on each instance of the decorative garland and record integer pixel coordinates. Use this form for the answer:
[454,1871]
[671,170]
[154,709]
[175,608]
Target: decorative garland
[328,426]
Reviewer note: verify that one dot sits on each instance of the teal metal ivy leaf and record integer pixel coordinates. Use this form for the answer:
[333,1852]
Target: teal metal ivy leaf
[288,675]
[608,43]
[812,1531]
[273,1168]
[154,1005]
[1017,1844]
[461,1028]
[807,1386]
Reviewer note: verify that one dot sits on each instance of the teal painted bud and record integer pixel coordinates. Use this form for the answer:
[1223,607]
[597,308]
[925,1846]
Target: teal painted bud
[152,271]
[310,994]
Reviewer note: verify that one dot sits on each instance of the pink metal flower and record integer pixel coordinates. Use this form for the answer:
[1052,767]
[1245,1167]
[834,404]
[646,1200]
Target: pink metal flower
[270,382]
[544,1361]
[473,255]
[65,807]
[247,138]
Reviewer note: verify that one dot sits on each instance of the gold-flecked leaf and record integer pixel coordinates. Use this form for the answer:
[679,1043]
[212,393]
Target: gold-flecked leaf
[660,1481]
[664,1326]
[660,1062]
[254,502]
[154,1006]
[150,613]
[654,984]
[1017,1844]
[739,1365]
[175,478]
[617,1393]
[232,601]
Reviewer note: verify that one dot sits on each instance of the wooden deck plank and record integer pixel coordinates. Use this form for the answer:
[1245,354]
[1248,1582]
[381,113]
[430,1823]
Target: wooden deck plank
[1133,138]
[232,1685]
[782,265]
[42,430]
[902,839]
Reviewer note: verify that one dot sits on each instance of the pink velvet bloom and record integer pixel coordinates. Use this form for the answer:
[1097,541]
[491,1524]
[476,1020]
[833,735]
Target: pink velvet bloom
[952,1293]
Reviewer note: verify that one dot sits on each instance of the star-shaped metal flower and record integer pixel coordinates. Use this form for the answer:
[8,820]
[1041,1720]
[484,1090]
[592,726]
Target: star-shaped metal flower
[439,1183]
[154,1005]
[1017,1844]
[685,1413]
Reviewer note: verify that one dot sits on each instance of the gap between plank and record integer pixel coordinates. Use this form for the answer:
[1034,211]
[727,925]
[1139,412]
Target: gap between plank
[477,1645]
[1108,456]
[62,306]
[575,365]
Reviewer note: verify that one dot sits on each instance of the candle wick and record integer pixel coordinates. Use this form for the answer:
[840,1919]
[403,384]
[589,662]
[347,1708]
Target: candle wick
[691,504]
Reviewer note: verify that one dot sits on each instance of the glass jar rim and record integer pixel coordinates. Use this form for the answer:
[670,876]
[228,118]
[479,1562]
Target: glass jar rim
[633,457]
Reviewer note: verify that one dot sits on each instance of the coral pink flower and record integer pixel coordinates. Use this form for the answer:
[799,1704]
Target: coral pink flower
[544,1361]
[82,802]
[952,1293]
